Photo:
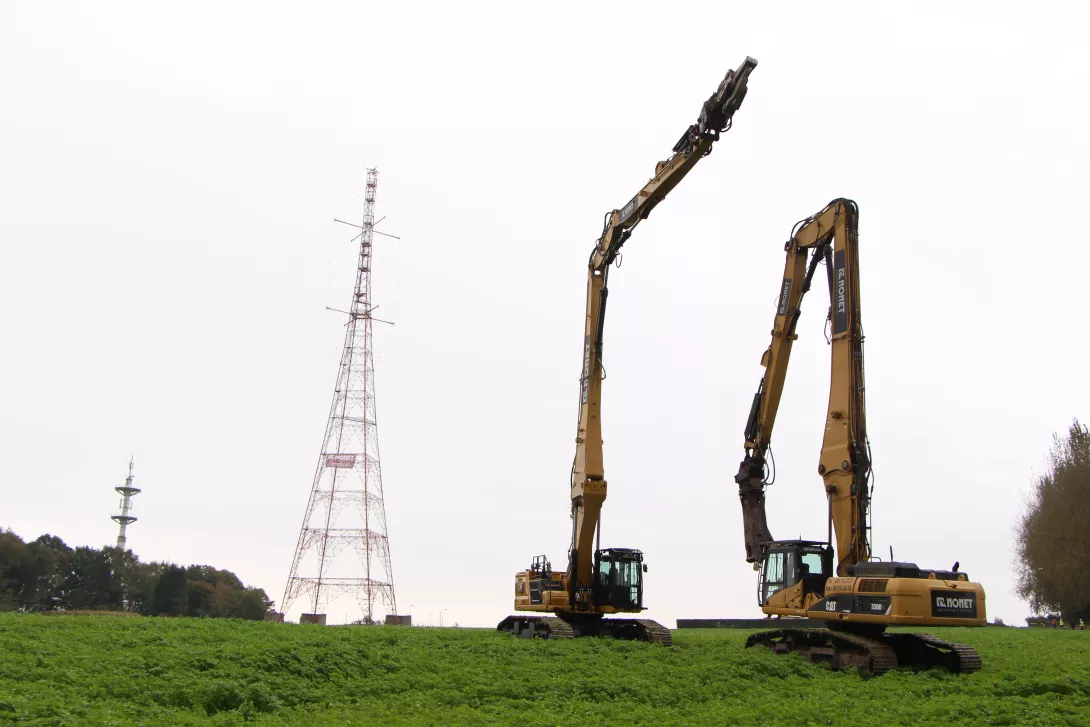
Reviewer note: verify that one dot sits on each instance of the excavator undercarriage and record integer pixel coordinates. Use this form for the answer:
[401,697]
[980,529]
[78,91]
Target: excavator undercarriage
[871,653]
[616,587]
[551,627]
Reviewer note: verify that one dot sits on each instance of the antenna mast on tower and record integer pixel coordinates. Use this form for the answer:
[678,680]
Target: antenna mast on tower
[125,519]
[345,513]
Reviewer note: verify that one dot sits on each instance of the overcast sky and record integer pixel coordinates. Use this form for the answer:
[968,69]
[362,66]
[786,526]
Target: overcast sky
[168,178]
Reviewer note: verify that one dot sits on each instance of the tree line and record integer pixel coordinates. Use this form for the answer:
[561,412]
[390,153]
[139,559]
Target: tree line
[1053,537]
[48,575]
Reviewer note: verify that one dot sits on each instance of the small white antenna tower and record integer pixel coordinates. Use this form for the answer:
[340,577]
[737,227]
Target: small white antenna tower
[125,519]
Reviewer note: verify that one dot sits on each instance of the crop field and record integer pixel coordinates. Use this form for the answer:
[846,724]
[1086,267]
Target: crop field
[103,670]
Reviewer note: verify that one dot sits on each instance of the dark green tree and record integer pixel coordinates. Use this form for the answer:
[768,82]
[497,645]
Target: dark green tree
[45,574]
[127,579]
[212,576]
[199,598]
[89,581]
[12,569]
[253,605]
[170,594]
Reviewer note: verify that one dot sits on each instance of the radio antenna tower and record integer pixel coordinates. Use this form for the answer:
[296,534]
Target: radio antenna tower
[345,515]
[125,519]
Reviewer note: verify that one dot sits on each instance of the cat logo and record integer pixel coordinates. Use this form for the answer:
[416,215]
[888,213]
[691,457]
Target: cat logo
[830,605]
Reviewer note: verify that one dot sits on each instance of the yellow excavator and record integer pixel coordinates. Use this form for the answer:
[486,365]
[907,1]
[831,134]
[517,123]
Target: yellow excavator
[601,581]
[855,595]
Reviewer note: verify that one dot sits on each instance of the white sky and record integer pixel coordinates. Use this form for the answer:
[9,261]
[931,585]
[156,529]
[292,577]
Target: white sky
[168,179]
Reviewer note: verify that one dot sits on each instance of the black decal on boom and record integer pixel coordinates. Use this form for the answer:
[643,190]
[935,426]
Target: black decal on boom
[840,294]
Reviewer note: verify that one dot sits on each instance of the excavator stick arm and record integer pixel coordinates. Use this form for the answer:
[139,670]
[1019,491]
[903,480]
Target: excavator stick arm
[831,237]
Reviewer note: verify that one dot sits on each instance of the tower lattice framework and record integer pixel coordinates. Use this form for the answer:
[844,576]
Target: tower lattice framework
[343,548]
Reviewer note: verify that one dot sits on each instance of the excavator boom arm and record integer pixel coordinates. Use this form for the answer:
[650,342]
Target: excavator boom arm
[831,236]
[588,484]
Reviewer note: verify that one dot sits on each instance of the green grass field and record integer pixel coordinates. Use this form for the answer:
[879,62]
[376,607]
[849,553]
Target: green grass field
[102,670]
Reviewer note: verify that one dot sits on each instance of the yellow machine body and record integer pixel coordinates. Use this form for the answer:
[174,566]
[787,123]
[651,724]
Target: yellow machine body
[855,594]
[597,581]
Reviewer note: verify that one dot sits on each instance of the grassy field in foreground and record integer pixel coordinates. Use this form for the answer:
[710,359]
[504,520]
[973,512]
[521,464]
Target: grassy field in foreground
[101,670]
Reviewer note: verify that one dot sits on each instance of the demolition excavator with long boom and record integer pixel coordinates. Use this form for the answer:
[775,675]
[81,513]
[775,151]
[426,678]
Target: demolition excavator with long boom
[599,582]
[855,595]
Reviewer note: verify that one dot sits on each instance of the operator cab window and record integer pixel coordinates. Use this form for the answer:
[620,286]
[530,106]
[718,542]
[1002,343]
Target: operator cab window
[773,575]
[631,581]
[813,564]
[604,569]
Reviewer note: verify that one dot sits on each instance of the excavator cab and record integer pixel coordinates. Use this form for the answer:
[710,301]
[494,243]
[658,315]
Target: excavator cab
[618,579]
[786,562]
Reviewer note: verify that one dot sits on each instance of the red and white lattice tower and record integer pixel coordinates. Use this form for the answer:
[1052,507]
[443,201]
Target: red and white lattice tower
[343,549]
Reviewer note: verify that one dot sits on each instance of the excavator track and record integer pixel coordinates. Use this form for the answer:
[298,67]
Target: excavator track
[870,655]
[924,651]
[631,629]
[656,632]
[550,627]
[541,627]
[839,650]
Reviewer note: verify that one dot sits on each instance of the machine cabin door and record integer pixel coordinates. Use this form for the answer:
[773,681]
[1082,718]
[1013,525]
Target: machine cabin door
[618,579]
[787,563]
